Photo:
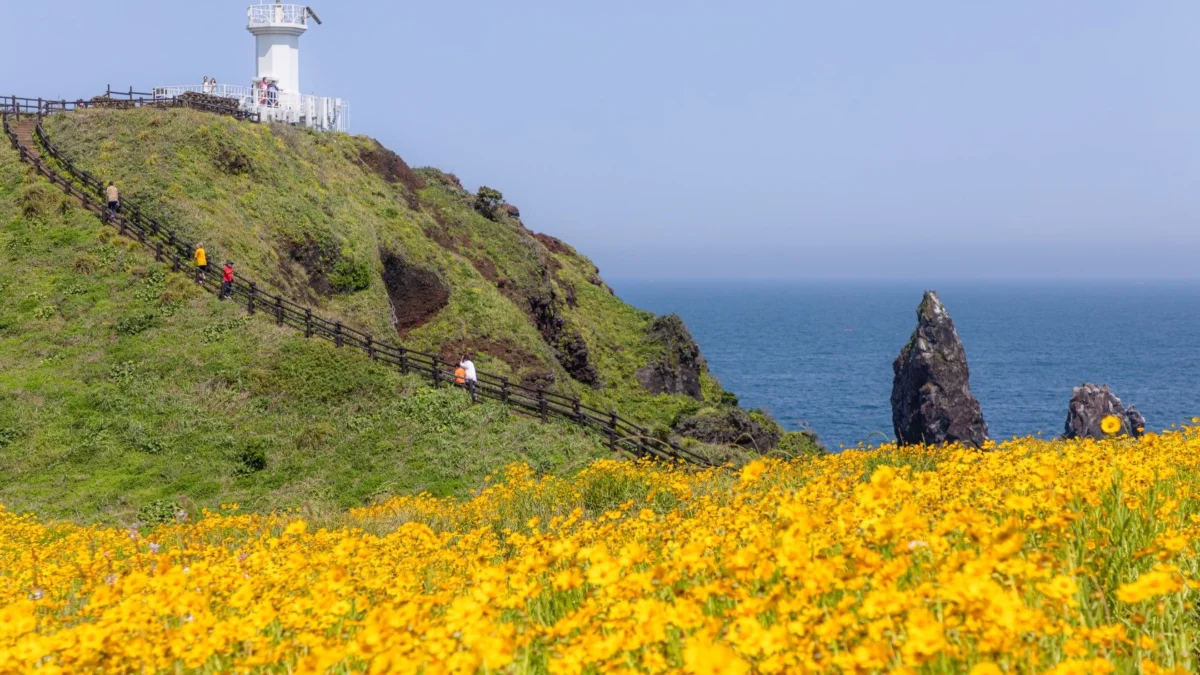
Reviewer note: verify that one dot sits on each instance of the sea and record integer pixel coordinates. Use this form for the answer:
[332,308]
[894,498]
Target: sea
[818,354]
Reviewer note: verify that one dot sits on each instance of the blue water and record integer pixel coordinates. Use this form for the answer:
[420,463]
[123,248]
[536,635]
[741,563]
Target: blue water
[819,354]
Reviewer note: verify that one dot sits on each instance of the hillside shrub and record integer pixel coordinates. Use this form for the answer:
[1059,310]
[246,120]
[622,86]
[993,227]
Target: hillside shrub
[252,456]
[132,325]
[350,275]
[487,201]
[159,512]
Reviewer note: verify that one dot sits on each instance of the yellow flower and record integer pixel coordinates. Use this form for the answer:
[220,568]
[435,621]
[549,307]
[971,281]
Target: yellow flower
[1150,585]
[704,657]
[752,471]
[1110,425]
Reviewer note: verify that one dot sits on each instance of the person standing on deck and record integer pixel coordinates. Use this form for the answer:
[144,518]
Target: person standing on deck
[114,199]
[201,259]
[208,85]
[468,367]
[227,281]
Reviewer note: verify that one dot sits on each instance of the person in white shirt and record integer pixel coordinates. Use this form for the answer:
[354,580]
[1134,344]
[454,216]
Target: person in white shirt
[471,378]
[114,199]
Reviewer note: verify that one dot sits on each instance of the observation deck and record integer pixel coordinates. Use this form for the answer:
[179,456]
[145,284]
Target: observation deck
[281,17]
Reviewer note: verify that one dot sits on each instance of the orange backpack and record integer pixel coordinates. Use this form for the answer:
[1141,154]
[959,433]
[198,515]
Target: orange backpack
[460,375]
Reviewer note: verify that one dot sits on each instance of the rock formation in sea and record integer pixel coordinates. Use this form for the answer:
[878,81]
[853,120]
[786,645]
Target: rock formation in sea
[1090,404]
[931,397]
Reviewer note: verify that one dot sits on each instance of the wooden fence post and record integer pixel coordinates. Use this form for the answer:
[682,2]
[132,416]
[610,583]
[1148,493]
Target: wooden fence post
[250,301]
[543,409]
[504,391]
[403,361]
[370,348]
[307,322]
[278,311]
[337,334]
[158,251]
[612,430]
[436,366]
[578,411]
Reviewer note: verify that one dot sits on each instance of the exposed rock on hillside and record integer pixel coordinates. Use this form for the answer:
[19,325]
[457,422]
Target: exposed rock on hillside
[1090,404]
[732,426]
[416,294]
[390,167]
[678,370]
[931,397]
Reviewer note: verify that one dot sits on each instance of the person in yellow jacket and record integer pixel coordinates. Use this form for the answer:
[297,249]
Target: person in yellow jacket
[201,259]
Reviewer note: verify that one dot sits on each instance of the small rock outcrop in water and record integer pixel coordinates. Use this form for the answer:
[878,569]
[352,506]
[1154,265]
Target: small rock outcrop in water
[931,396]
[1090,404]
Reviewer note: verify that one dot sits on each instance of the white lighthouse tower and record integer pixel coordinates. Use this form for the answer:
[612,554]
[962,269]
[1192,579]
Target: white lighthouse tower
[277,29]
[275,93]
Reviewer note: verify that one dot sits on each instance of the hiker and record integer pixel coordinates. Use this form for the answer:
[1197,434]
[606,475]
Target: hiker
[208,85]
[262,92]
[273,94]
[468,368]
[114,199]
[201,259]
[226,281]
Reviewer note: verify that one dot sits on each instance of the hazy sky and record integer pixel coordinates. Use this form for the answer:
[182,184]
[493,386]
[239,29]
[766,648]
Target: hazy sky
[806,139]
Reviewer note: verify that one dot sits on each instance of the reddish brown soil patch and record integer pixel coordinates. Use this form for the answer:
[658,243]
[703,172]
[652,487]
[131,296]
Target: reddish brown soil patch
[417,294]
[554,244]
[518,358]
[487,268]
[390,167]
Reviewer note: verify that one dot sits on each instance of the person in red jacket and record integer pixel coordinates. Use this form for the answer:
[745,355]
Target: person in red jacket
[227,280]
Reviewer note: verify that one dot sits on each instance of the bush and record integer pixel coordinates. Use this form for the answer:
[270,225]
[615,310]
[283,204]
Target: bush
[159,512]
[7,436]
[800,444]
[136,324]
[487,201]
[350,275]
[252,456]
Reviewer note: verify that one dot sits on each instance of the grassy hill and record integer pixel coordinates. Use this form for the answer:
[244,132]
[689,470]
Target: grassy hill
[342,223]
[124,387]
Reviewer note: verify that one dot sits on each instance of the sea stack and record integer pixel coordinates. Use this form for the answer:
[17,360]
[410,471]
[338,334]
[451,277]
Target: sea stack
[1090,405]
[931,397]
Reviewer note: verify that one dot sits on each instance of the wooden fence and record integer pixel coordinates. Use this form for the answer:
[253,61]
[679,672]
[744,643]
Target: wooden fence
[169,248]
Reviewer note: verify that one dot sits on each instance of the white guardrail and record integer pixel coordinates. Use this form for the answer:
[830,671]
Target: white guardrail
[277,15]
[316,112]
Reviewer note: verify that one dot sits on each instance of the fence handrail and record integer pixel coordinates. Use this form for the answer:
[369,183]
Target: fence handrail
[170,248]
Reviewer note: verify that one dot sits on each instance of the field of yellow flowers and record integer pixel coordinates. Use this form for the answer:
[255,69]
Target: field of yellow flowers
[1042,556]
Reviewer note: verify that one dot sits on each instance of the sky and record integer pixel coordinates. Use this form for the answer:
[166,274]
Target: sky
[670,139]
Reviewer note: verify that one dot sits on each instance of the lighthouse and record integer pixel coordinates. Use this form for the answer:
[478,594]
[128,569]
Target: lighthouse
[277,29]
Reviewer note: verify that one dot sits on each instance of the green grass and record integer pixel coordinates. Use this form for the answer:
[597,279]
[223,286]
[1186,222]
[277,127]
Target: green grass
[258,192]
[124,387]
